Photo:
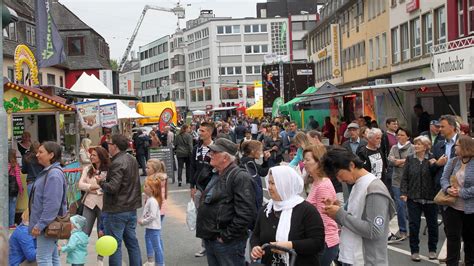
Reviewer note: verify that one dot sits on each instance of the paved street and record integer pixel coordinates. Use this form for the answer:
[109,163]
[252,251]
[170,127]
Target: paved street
[180,243]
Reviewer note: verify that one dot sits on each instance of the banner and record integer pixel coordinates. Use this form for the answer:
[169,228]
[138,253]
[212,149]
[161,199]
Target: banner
[49,45]
[89,114]
[108,115]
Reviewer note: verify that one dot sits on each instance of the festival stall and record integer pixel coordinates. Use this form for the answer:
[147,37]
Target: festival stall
[38,111]
[301,116]
[162,113]
[256,110]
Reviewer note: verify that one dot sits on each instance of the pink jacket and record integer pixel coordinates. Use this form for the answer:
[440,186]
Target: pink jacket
[16,173]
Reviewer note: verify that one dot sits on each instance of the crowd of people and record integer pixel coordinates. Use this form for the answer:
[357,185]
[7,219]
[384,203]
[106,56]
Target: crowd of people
[326,194]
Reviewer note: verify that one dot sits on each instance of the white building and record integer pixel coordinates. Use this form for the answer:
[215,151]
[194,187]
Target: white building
[129,79]
[177,56]
[224,58]
[154,70]
[300,25]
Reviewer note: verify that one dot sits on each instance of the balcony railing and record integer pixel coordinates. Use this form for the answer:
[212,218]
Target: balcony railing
[453,45]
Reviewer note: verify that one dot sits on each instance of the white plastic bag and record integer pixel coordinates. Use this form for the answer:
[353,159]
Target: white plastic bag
[191,216]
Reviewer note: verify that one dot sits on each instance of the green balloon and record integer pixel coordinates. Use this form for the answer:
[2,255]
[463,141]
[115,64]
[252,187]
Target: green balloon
[106,246]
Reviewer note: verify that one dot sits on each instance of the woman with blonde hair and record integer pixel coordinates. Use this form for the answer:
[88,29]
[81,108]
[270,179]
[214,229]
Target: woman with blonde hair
[301,141]
[418,189]
[322,190]
[157,170]
[84,155]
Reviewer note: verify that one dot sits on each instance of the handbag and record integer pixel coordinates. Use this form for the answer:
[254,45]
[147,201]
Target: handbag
[13,187]
[61,227]
[77,207]
[443,198]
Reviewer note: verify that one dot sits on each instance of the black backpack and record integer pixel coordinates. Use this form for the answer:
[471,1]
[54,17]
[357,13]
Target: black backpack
[13,187]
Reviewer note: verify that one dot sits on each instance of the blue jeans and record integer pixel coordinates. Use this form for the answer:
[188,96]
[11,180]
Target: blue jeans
[47,251]
[401,210]
[11,210]
[414,215]
[328,255]
[228,254]
[154,246]
[122,226]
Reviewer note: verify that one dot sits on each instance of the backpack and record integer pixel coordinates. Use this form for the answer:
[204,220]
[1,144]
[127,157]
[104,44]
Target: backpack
[13,187]
[252,169]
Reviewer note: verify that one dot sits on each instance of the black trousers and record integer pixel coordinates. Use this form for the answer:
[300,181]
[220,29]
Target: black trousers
[457,225]
[142,159]
[182,161]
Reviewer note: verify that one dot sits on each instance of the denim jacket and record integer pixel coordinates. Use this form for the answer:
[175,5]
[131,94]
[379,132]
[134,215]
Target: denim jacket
[467,191]
[49,197]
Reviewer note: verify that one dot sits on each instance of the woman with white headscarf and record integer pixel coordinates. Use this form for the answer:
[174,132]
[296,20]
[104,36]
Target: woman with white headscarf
[287,221]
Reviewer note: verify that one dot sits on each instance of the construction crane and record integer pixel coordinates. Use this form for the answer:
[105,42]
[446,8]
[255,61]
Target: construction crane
[178,10]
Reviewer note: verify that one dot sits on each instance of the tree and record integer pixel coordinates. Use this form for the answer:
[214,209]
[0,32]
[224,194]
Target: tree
[113,64]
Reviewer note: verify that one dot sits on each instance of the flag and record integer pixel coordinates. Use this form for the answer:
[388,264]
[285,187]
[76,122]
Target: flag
[49,45]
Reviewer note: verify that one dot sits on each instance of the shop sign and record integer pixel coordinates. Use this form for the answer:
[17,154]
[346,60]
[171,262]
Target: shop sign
[459,62]
[304,72]
[89,114]
[323,53]
[413,5]
[336,59]
[18,127]
[108,115]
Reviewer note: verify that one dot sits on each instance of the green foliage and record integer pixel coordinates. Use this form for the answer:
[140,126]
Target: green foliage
[15,105]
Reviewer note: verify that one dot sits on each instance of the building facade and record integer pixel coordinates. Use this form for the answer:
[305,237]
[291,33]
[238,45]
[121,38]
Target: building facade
[86,50]
[177,60]
[224,58]
[129,79]
[24,32]
[299,26]
[155,70]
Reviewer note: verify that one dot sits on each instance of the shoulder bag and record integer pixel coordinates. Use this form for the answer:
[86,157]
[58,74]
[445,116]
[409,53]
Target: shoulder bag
[443,198]
[60,227]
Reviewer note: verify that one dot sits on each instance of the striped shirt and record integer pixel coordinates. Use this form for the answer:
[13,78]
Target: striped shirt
[320,191]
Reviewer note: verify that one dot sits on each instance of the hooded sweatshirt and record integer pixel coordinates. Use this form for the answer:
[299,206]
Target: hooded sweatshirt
[370,229]
[76,247]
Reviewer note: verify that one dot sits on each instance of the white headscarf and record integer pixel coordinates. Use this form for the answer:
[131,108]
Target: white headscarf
[289,185]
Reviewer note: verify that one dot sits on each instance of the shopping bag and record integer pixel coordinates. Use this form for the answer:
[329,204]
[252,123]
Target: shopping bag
[191,216]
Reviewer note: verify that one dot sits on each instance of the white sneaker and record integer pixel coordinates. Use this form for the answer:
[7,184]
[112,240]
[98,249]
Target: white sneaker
[200,253]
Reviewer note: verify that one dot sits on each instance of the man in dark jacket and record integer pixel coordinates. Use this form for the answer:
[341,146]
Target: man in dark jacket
[434,133]
[201,168]
[142,142]
[444,150]
[122,198]
[354,142]
[423,118]
[227,207]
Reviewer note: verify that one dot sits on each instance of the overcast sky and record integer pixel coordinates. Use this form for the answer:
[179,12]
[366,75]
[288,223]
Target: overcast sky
[115,20]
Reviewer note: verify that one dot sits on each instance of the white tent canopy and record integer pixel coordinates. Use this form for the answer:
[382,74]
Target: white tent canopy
[90,84]
[123,111]
[199,112]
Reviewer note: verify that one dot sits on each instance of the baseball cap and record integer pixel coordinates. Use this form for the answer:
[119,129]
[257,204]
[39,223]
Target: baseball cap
[223,144]
[353,125]
[434,122]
